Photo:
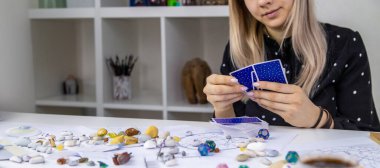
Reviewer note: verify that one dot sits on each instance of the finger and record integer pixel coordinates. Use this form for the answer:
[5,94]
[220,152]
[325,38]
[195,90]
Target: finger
[221,80]
[272,105]
[226,103]
[235,99]
[273,96]
[226,97]
[225,89]
[277,87]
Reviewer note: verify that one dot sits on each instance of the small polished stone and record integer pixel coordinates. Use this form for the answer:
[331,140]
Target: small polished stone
[174,150]
[150,144]
[23,141]
[102,164]
[256,146]
[243,166]
[143,138]
[271,153]
[222,165]
[164,134]
[117,140]
[26,158]
[242,157]
[37,160]
[152,131]
[83,160]
[60,147]
[130,140]
[16,159]
[183,153]
[61,161]
[196,143]
[263,133]
[265,161]
[69,143]
[120,159]
[170,142]
[73,162]
[292,157]
[91,163]
[250,153]
[203,149]
[176,139]
[211,144]
[217,150]
[102,132]
[132,131]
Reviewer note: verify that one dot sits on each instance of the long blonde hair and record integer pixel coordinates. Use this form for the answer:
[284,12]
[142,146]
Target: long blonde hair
[308,40]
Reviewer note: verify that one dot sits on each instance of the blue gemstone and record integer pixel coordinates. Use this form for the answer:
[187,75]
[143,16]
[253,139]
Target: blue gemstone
[263,133]
[292,157]
[203,149]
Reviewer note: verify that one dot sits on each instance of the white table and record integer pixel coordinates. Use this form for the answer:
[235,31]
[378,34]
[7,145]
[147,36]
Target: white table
[304,135]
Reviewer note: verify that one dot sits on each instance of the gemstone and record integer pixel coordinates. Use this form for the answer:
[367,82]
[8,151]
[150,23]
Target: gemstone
[250,153]
[164,134]
[16,159]
[176,138]
[91,163]
[150,144]
[170,142]
[292,157]
[242,157]
[69,143]
[112,135]
[26,158]
[73,163]
[132,132]
[130,140]
[143,138]
[117,140]
[83,160]
[211,144]
[102,164]
[217,150]
[243,166]
[60,147]
[61,161]
[256,146]
[203,149]
[37,160]
[271,153]
[174,150]
[152,131]
[263,133]
[120,159]
[222,165]
[183,153]
[266,161]
[196,143]
[102,132]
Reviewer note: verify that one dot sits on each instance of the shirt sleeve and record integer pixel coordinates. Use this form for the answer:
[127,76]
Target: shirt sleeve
[225,69]
[356,108]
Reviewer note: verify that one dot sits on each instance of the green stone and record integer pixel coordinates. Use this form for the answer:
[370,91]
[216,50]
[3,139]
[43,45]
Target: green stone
[243,166]
[211,144]
[292,157]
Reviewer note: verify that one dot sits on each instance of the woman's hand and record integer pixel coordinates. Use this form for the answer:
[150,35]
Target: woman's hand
[288,101]
[222,91]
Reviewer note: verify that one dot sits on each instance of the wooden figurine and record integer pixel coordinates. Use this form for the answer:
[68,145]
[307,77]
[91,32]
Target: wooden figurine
[194,76]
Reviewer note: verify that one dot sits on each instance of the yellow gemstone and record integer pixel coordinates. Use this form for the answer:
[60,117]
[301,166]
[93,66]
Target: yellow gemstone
[117,140]
[243,149]
[112,135]
[152,131]
[176,139]
[130,140]
[60,147]
[102,132]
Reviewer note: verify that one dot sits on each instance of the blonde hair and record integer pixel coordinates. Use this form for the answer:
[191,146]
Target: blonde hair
[308,40]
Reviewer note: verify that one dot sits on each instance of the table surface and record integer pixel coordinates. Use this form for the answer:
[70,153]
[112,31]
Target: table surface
[303,137]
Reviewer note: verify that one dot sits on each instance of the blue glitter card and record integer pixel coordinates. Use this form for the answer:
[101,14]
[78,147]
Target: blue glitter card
[271,71]
[236,120]
[243,76]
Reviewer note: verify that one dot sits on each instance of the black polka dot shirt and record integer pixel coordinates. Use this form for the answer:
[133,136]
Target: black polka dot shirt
[344,89]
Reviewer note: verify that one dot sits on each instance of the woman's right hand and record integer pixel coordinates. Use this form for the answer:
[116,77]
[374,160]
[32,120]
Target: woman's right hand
[222,91]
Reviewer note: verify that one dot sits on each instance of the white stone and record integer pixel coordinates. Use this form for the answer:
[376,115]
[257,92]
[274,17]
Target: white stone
[69,143]
[83,138]
[174,150]
[159,141]
[164,134]
[23,141]
[196,143]
[73,163]
[97,138]
[250,153]
[257,146]
[32,155]
[171,162]
[15,159]
[37,160]
[266,161]
[26,158]
[66,133]
[34,145]
[61,138]
[75,138]
[150,144]
[49,150]
[170,143]
[143,138]
[68,137]
[260,153]
[41,149]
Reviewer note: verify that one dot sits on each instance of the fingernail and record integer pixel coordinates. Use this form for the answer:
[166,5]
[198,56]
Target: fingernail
[250,94]
[256,84]
[234,80]
[243,88]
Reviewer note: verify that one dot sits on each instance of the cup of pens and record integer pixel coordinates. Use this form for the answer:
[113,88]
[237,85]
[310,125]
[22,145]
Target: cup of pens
[121,69]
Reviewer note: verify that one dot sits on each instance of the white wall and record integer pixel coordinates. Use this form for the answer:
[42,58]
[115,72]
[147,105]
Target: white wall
[16,63]
[362,16]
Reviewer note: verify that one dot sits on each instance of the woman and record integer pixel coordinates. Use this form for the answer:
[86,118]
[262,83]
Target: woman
[327,68]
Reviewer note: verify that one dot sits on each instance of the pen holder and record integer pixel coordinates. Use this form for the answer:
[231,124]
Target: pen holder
[122,87]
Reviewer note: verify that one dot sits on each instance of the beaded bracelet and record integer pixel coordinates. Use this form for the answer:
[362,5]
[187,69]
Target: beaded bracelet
[319,117]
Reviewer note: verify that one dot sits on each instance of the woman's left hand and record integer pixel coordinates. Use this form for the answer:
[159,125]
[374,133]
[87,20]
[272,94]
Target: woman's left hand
[288,101]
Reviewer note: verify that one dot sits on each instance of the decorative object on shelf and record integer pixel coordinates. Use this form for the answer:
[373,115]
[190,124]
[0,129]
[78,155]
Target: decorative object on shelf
[194,76]
[138,2]
[156,2]
[214,2]
[189,2]
[52,3]
[70,86]
[173,3]
[121,70]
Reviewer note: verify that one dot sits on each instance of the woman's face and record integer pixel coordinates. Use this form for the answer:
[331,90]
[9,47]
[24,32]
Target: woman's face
[271,13]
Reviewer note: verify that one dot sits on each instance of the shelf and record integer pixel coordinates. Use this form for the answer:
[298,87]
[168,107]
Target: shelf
[190,108]
[141,102]
[156,12]
[67,13]
[68,101]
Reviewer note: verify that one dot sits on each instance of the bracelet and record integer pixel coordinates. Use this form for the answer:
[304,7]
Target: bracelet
[329,120]
[319,117]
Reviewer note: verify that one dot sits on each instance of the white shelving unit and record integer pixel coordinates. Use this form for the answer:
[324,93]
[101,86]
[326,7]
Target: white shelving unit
[77,41]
